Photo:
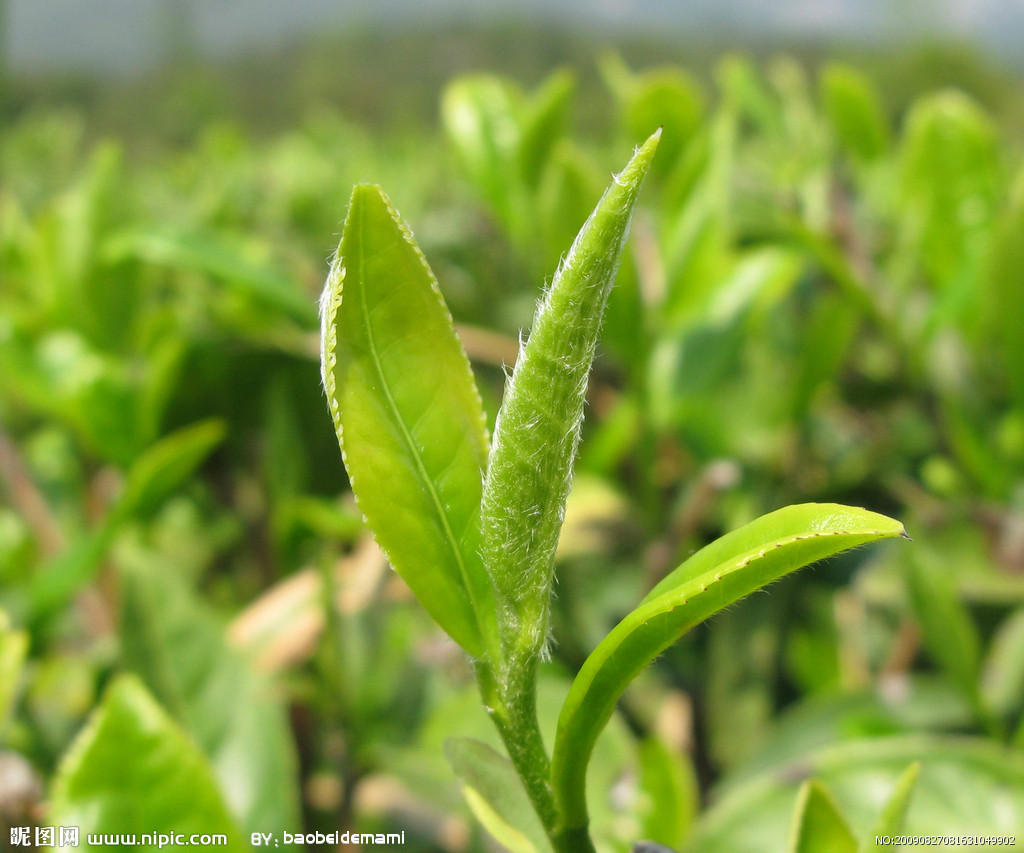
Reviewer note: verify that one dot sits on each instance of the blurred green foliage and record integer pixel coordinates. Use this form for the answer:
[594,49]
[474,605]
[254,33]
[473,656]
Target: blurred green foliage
[822,301]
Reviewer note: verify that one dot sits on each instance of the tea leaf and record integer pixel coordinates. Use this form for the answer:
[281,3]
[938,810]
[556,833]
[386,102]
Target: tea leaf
[716,576]
[1002,680]
[854,111]
[951,179]
[543,123]
[132,770]
[496,796]
[156,474]
[174,643]
[408,415]
[890,821]
[964,783]
[818,824]
[538,426]
[669,782]
[481,114]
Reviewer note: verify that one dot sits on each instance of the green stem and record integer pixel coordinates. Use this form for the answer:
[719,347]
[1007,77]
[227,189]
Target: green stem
[573,840]
[512,705]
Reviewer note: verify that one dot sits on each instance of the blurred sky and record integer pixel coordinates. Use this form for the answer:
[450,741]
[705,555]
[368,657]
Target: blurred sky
[124,35]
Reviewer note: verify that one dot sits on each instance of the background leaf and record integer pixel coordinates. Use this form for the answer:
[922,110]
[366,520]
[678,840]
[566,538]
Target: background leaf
[965,785]
[817,823]
[171,640]
[13,650]
[496,796]
[894,813]
[132,770]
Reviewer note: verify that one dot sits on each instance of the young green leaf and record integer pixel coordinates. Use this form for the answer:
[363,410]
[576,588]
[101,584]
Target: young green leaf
[408,415]
[542,125]
[496,796]
[818,824]
[481,114]
[174,643]
[166,466]
[716,576]
[538,427]
[890,821]
[852,106]
[951,178]
[132,770]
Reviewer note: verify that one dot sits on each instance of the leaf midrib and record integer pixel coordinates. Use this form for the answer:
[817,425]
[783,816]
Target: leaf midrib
[406,435]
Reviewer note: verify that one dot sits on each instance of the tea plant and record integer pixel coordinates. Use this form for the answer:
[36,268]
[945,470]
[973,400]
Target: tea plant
[472,524]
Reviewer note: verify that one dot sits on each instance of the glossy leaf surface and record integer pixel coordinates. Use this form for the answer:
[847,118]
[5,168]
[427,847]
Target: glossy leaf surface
[716,576]
[407,414]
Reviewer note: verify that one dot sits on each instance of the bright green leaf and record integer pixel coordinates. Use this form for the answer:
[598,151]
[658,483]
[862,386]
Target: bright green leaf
[853,108]
[817,824]
[716,576]
[177,647]
[133,770]
[408,415]
[166,466]
[890,821]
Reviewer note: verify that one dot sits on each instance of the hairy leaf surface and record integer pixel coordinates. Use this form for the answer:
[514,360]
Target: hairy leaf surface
[538,427]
